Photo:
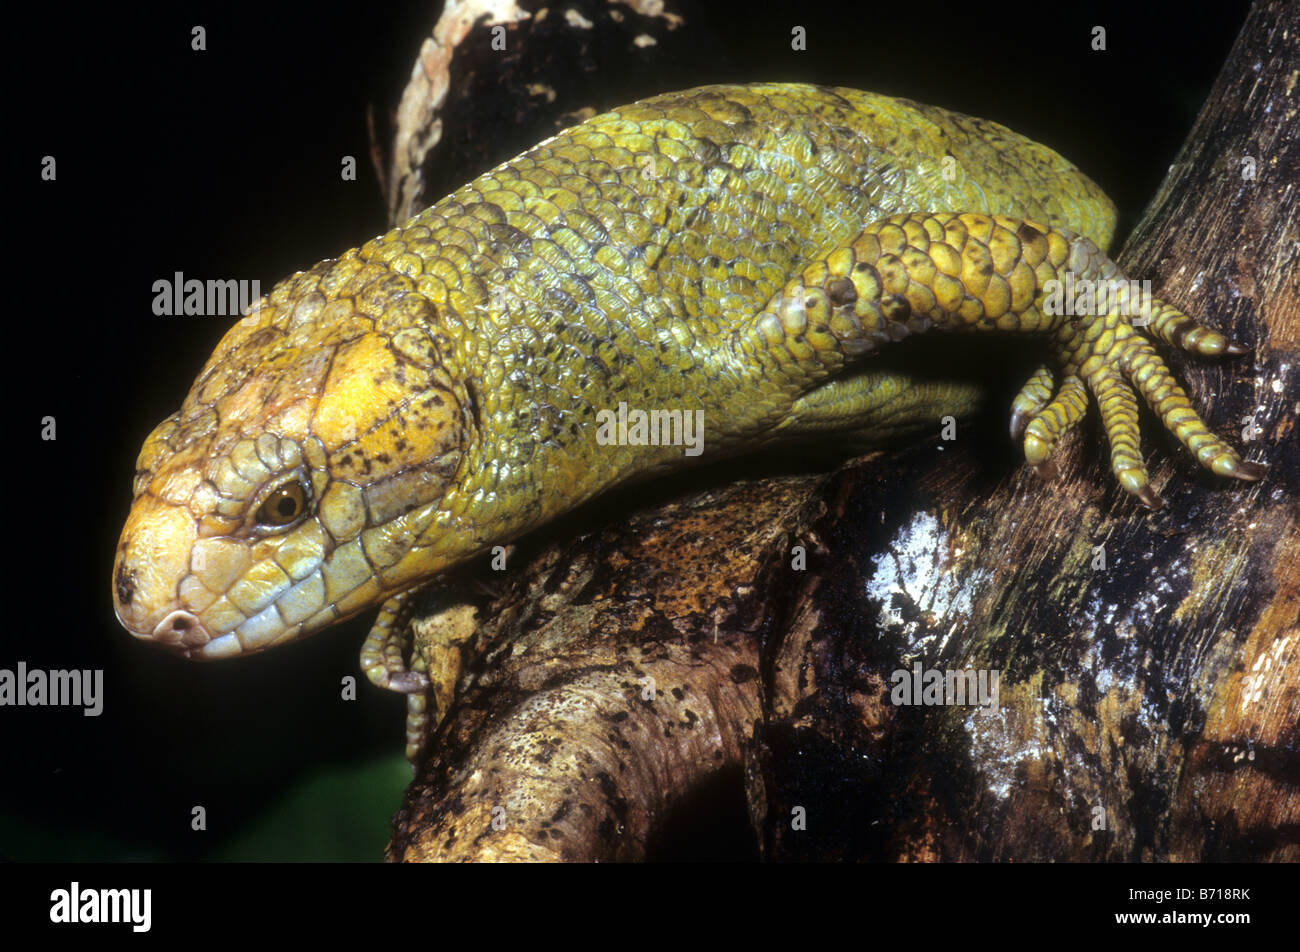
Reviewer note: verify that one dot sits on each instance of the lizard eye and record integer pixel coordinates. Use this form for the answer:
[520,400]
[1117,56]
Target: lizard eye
[285,504]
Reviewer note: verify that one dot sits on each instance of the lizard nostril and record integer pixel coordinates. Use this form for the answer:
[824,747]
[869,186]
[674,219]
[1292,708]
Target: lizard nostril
[180,627]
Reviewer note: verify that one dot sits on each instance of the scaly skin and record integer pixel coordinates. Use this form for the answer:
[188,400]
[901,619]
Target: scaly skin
[733,249]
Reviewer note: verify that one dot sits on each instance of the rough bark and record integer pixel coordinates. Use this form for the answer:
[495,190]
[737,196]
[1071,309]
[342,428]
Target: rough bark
[1149,702]
[617,672]
[1149,664]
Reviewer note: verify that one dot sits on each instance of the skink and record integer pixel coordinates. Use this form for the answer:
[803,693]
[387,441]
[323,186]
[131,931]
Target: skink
[737,250]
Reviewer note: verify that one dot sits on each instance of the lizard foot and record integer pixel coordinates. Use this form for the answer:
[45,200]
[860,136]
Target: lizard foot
[1104,354]
[383,656]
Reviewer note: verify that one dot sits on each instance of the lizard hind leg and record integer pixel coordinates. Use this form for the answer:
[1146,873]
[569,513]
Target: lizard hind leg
[963,272]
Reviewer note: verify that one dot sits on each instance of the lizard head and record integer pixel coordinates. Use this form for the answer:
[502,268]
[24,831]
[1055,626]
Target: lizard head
[309,474]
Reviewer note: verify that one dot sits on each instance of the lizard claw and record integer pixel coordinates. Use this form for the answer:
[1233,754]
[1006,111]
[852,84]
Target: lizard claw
[1245,469]
[1019,420]
[1150,498]
[1045,470]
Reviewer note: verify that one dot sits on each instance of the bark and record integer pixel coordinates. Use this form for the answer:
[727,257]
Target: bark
[617,672]
[1149,663]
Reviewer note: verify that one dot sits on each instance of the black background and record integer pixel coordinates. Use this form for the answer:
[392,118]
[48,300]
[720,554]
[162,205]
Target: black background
[225,163]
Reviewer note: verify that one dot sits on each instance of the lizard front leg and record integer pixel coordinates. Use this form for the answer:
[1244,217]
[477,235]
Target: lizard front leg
[383,659]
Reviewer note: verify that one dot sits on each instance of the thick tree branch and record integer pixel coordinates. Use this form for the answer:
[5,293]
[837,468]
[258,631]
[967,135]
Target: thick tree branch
[1149,664]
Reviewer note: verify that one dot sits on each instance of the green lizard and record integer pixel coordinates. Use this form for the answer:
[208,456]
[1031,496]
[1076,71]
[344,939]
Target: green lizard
[731,251]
